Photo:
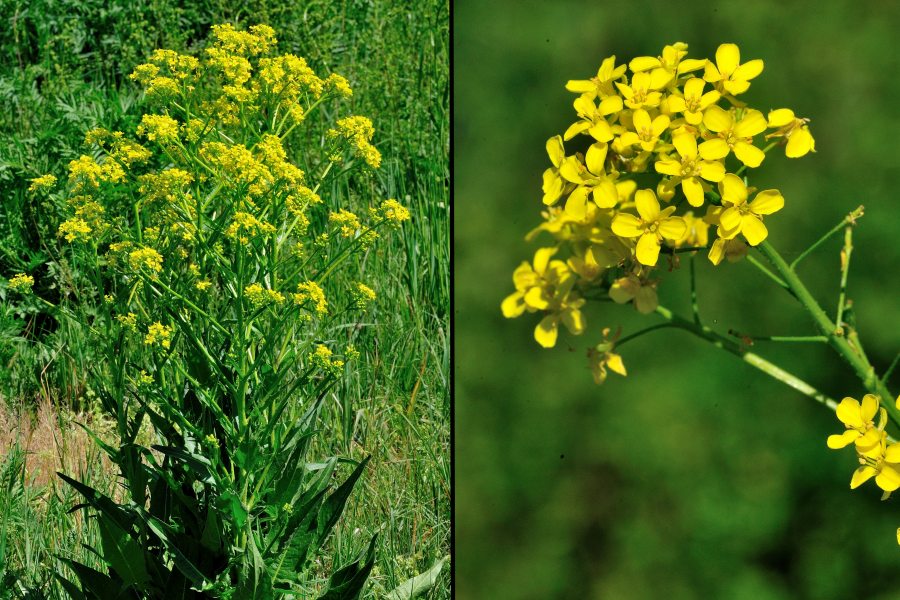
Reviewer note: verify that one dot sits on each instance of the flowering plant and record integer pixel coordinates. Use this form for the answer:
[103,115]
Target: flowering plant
[658,166]
[228,281]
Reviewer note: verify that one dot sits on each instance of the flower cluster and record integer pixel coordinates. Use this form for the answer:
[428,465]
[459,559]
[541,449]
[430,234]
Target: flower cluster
[21,283]
[654,164]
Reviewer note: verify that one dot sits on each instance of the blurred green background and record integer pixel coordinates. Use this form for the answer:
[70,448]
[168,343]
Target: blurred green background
[697,476]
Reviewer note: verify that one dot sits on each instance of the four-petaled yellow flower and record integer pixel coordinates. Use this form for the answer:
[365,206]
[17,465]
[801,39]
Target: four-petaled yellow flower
[633,289]
[694,101]
[690,167]
[859,419]
[644,89]
[728,73]
[646,131]
[590,179]
[743,217]
[800,141]
[733,135]
[602,84]
[651,227]
[593,118]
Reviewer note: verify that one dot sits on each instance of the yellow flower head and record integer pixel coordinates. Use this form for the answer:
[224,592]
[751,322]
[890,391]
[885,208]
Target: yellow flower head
[159,334]
[739,216]
[728,74]
[145,258]
[21,283]
[652,226]
[309,291]
[44,182]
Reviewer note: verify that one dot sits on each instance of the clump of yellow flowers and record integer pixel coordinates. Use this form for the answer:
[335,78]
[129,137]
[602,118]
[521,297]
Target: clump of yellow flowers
[655,164]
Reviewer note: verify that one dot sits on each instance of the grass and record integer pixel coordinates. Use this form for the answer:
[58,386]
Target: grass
[63,74]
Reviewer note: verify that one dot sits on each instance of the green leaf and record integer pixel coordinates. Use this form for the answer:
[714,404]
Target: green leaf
[229,502]
[101,503]
[212,538]
[71,589]
[102,586]
[254,582]
[197,463]
[347,582]
[331,510]
[182,563]
[124,554]
[419,584]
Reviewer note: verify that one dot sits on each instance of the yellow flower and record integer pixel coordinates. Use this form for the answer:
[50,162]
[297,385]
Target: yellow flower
[260,296]
[733,135]
[632,289]
[593,118]
[347,221]
[44,182]
[651,227]
[600,360]
[602,84]
[644,89]
[309,291]
[689,168]
[128,320]
[693,102]
[161,128]
[728,73]
[731,250]
[696,232]
[145,257]
[74,229]
[880,461]
[21,283]
[741,217]
[159,334]
[646,131]
[393,212]
[590,179]
[799,140]
[363,295]
[554,185]
[859,420]
[669,64]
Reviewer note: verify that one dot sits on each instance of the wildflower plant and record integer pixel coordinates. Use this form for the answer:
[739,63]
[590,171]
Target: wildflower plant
[223,321]
[658,165]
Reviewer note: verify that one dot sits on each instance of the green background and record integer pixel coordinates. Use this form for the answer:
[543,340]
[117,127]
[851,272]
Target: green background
[697,476]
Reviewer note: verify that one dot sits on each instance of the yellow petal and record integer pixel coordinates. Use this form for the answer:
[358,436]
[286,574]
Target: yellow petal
[693,87]
[629,138]
[768,202]
[717,119]
[693,191]
[691,64]
[800,143]
[601,131]
[686,145]
[672,228]
[892,453]
[693,118]
[675,103]
[861,475]
[610,105]
[553,186]
[717,252]
[736,87]
[659,78]
[546,331]
[524,277]
[576,128]
[714,149]
[571,169]
[513,305]
[595,157]
[733,190]
[555,150]
[709,98]
[574,321]
[615,364]
[840,441]
[712,170]
[780,117]
[585,106]
[749,154]
[888,479]
[753,123]
[647,205]
[647,250]
[627,226]
[848,413]
[641,119]
[869,407]
[748,70]
[643,63]
[711,73]
[728,57]
[753,229]
[730,218]
[534,298]
[605,194]
[542,258]
[581,86]
[576,205]
[668,167]
[660,124]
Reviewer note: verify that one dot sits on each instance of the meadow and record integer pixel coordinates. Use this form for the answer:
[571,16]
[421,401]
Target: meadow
[65,72]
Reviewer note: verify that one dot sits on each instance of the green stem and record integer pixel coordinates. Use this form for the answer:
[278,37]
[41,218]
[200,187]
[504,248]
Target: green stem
[835,336]
[848,220]
[845,269]
[720,341]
